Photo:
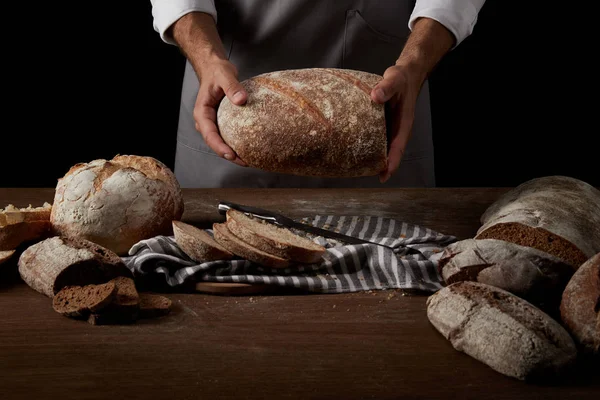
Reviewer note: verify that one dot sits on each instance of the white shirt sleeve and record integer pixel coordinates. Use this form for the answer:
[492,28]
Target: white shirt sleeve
[166,12]
[458,16]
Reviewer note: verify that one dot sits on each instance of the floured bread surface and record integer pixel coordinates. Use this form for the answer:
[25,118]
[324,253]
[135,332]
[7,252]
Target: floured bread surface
[114,204]
[556,214]
[502,330]
[313,122]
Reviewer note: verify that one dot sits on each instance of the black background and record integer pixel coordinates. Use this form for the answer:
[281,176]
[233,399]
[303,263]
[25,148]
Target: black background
[93,80]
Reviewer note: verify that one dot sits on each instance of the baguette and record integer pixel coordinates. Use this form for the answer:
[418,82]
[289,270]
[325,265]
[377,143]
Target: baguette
[556,214]
[198,244]
[310,122]
[501,330]
[580,306]
[273,239]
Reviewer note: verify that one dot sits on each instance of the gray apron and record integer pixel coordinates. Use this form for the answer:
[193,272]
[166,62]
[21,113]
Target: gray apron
[268,35]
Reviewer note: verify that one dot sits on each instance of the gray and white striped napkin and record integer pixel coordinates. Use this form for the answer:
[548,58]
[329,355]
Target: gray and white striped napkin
[345,268]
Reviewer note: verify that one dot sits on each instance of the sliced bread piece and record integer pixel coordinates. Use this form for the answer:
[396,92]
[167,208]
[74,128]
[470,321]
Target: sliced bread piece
[244,250]
[12,215]
[198,244]
[273,239]
[6,255]
[80,301]
[154,305]
[13,235]
[124,308]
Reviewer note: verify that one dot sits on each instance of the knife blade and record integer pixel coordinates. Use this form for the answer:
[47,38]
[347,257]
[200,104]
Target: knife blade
[287,222]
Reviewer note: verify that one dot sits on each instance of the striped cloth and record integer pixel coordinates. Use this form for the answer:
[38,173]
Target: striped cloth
[345,268]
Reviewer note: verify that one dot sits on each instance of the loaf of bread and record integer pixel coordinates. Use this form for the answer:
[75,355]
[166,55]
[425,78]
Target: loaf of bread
[556,214]
[310,122]
[580,306]
[23,225]
[117,203]
[502,330]
[56,262]
[273,239]
[532,274]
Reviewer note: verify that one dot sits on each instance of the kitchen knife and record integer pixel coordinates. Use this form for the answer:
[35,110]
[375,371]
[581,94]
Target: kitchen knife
[279,219]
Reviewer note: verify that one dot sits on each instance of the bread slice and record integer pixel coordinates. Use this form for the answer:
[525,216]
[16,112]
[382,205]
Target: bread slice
[198,244]
[80,301]
[23,225]
[244,250]
[154,305]
[12,215]
[273,239]
[123,309]
[6,255]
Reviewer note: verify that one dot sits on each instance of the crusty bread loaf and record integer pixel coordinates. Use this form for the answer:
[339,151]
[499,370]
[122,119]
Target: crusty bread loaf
[244,250]
[532,274]
[556,214]
[80,301]
[198,244]
[117,203]
[23,225]
[311,122]
[580,307]
[56,262]
[273,239]
[501,330]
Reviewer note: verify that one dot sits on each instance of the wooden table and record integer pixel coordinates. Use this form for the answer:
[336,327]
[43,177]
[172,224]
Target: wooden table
[377,345]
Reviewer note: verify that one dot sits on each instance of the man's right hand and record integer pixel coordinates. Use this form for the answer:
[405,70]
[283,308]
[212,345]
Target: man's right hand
[197,36]
[218,79]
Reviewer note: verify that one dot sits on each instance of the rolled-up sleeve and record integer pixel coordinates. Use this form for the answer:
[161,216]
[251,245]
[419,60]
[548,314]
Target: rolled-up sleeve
[166,12]
[458,16]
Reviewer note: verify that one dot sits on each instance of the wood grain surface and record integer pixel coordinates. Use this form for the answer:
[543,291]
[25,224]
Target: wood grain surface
[368,345]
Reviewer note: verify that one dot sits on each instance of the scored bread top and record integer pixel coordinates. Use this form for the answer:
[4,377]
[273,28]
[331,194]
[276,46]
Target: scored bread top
[272,238]
[310,122]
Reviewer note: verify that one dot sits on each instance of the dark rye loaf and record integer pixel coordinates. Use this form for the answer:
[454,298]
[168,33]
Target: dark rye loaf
[502,330]
[311,122]
[534,275]
[580,307]
[556,214]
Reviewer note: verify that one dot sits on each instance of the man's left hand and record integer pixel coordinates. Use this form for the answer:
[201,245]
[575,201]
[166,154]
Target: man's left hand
[400,88]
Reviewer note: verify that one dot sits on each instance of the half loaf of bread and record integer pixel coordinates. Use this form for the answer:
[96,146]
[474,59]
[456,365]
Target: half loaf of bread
[23,225]
[559,215]
[311,122]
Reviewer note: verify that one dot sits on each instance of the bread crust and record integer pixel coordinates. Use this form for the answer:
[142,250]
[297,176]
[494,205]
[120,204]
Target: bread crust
[309,122]
[501,330]
[264,237]
[556,214]
[580,306]
[198,244]
[532,274]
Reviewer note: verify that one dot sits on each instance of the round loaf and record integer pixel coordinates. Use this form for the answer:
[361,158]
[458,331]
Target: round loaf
[580,306]
[117,203]
[310,122]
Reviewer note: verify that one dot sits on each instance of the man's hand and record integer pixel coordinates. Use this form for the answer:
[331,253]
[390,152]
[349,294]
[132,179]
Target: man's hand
[197,36]
[400,88]
[427,44]
[218,79]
